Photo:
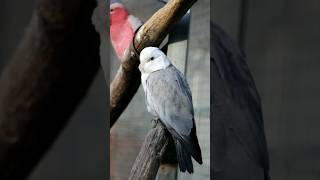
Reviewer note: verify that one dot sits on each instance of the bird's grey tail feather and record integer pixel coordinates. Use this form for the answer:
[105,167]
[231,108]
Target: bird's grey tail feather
[184,158]
[196,152]
[189,144]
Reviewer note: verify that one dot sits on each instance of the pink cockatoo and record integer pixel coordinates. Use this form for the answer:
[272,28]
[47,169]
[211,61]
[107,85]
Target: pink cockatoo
[122,28]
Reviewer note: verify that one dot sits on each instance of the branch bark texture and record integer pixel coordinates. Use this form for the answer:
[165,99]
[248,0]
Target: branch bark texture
[152,151]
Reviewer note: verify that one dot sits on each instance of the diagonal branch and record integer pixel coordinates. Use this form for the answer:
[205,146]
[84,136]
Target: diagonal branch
[148,161]
[158,150]
[127,80]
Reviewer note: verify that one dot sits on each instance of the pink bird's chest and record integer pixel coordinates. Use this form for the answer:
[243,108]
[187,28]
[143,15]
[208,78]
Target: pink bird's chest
[121,36]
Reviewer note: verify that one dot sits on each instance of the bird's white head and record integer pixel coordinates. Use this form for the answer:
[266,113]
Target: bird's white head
[152,59]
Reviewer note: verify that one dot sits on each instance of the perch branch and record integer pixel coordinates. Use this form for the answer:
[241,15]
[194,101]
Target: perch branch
[42,85]
[127,80]
[158,148]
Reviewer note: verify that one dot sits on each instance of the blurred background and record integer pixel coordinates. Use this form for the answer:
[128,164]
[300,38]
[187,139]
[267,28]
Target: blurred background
[281,39]
[129,132]
[80,150]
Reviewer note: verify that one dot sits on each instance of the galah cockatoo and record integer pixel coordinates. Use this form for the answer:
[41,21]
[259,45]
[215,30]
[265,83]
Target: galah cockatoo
[168,98]
[122,28]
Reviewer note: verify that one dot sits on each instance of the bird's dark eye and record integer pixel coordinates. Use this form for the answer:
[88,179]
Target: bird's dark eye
[111,10]
[152,58]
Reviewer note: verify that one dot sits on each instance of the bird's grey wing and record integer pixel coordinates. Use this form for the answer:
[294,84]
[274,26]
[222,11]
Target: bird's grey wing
[235,93]
[167,96]
[184,85]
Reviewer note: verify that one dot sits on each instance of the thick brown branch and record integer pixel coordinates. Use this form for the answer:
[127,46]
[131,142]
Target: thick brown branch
[153,151]
[45,81]
[127,80]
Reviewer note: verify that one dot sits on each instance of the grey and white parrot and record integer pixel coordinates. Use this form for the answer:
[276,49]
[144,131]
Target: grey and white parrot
[168,98]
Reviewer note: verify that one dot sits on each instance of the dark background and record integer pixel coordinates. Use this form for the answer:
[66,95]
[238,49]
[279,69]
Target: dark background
[282,42]
[80,151]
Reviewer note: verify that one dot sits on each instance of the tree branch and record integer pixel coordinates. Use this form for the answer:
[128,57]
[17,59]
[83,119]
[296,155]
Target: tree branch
[127,80]
[42,85]
[157,148]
